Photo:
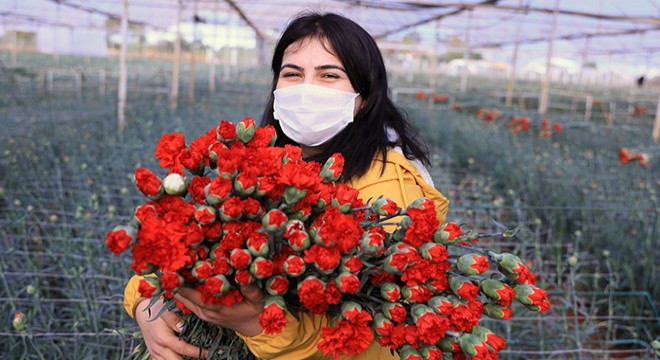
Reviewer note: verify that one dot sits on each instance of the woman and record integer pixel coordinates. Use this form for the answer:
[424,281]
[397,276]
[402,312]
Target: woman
[330,94]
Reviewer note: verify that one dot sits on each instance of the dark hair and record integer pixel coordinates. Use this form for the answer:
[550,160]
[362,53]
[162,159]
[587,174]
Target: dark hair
[367,134]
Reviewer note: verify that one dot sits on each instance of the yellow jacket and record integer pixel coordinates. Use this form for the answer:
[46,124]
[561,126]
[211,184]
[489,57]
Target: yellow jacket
[400,181]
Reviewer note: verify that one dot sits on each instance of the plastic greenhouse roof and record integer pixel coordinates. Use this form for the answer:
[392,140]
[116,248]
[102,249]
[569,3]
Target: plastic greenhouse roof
[585,29]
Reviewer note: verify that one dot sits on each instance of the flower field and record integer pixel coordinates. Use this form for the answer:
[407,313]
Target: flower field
[587,216]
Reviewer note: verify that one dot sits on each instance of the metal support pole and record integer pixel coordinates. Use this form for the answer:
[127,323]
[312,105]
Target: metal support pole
[193,48]
[656,126]
[545,90]
[466,54]
[121,93]
[174,91]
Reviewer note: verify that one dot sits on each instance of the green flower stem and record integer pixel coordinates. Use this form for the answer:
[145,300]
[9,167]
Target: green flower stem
[453,334]
[497,234]
[491,254]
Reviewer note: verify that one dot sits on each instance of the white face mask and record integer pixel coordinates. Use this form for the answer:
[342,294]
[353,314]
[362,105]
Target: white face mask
[311,115]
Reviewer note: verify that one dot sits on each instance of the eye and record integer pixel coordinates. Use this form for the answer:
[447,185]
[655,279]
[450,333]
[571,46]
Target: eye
[330,76]
[290,74]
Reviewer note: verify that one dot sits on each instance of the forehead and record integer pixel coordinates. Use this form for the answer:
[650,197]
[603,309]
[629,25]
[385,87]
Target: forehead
[311,48]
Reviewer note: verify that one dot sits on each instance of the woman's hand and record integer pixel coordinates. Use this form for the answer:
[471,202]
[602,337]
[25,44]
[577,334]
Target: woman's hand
[242,317]
[160,334]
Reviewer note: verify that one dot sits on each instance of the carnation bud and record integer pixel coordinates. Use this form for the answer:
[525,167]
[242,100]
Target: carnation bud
[390,292]
[202,269]
[534,298]
[175,184]
[394,311]
[171,281]
[417,310]
[226,131]
[498,312]
[351,264]
[497,291]
[230,210]
[429,352]
[463,287]
[261,268]
[240,258]
[332,168]
[292,195]
[217,285]
[347,283]
[205,215]
[277,285]
[257,244]
[120,238]
[511,266]
[472,264]
[274,221]
[472,345]
[441,304]
[245,130]
[149,287]
[298,240]
[485,334]
[382,324]
[148,183]
[245,183]
[244,277]
[215,149]
[407,352]
[349,307]
[432,251]
[275,300]
[372,243]
[294,266]
[31,289]
[400,231]
[446,344]
[448,233]
[384,207]
[20,321]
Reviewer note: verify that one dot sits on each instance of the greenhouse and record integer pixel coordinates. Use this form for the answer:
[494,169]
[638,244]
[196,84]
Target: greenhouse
[542,122]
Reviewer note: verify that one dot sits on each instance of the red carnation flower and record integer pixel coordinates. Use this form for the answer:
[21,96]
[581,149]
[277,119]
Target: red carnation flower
[148,183]
[196,188]
[352,264]
[119,239]
[294,265]
[431,327]
[191,160]
[226,131]
[169,149]
[311,293]
[263,136]
[324,258]
[171,281]
[149,286]
[347,283]
[273,318]
[261,268]
[240,258]
[277,285]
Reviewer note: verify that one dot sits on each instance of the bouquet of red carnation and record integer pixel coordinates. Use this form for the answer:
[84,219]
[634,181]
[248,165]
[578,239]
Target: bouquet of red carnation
[247,212]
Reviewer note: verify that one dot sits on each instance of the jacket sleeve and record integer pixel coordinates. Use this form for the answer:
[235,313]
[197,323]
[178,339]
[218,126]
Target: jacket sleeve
[132,295]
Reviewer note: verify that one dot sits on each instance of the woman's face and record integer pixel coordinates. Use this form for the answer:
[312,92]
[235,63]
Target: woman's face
[308,62]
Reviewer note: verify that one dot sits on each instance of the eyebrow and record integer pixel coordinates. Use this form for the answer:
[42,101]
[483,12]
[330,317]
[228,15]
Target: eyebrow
[320,67]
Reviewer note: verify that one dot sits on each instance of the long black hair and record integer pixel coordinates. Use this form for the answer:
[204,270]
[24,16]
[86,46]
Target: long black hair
[360,141]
